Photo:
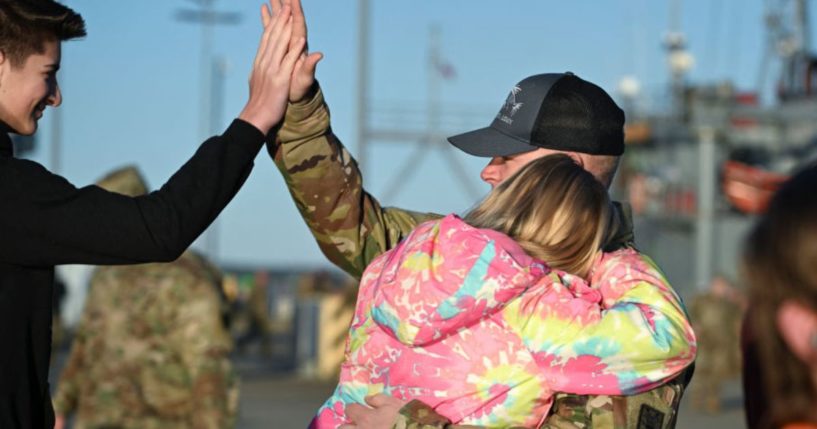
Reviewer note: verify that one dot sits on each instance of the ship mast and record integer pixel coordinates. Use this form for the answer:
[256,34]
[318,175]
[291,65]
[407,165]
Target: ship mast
[679,59]
[789,39]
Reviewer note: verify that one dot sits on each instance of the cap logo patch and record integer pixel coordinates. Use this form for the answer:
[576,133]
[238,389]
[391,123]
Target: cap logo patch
[510,107]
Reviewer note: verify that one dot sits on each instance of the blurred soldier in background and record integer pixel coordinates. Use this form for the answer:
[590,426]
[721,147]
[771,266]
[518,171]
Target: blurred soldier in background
[319,281]
[151,350]
[259,326]
[57,328]
[716,318]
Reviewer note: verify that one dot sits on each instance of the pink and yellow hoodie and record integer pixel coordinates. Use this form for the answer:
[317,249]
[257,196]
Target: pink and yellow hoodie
[464,320]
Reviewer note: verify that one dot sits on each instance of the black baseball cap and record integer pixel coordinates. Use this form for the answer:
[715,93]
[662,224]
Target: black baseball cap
[557,111]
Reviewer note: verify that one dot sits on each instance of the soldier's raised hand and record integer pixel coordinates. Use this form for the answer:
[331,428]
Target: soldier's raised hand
[271,74]
[303,76]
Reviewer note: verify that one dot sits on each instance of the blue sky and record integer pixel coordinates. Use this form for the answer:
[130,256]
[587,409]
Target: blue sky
[131,88]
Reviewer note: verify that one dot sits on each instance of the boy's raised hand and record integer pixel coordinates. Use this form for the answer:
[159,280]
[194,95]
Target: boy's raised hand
[303,76]
[271,75]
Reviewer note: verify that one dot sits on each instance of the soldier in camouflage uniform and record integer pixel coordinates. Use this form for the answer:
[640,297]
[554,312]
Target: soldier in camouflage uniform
[151,349]
[352,228]
[716,317]
[257,308]
[313,163]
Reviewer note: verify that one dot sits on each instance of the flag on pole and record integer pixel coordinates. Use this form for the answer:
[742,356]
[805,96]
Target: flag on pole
[445,69]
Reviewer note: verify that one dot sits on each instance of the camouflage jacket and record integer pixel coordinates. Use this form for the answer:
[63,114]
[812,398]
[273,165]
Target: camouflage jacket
[352,228]
[151,351]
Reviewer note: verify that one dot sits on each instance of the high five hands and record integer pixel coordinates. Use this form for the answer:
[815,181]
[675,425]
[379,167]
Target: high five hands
[279,51]
[303,76]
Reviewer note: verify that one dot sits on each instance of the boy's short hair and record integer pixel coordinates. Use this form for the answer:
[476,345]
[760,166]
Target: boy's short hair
[25,25]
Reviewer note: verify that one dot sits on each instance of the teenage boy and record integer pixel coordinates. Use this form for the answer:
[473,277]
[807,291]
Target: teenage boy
[45,221]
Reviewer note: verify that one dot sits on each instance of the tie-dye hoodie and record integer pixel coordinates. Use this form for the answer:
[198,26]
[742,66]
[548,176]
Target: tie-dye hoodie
[464,320]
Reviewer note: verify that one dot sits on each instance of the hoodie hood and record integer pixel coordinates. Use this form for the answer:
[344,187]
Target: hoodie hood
[446,276]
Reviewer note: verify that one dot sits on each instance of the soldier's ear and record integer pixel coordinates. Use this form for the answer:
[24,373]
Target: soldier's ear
[797,325]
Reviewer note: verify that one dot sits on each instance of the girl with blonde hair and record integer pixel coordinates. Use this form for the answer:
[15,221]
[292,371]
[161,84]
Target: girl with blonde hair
[485,317]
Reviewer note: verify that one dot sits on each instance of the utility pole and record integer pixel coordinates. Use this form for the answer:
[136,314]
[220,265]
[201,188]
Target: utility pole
[362,80]
[219,66]
[678,57]
[211,85]
[425,140]
[802,25]
[705,220]
[429,139]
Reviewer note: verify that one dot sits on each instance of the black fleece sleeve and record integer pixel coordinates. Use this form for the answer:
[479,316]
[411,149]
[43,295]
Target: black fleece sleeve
[44,220]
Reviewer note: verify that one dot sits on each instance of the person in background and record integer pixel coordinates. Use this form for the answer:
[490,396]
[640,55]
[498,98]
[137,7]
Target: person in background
[151,349]
[258,316]
[716,316]
[780,267]
[57,328]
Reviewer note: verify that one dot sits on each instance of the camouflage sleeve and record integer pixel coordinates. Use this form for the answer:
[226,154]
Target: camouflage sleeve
[418,415]
[349,225]
[655,409]
[192,371]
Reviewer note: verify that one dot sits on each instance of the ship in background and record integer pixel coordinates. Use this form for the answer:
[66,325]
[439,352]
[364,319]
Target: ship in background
[698,172]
